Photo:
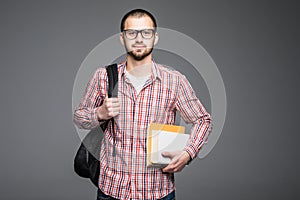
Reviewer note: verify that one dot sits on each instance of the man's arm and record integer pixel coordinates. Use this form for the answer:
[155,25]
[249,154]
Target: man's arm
[85,115]
[192,111]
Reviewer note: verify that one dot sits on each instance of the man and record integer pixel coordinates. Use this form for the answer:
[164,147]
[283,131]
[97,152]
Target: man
[147,92]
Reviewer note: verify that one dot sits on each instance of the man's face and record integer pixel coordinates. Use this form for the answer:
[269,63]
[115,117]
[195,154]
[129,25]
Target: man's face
[139,47]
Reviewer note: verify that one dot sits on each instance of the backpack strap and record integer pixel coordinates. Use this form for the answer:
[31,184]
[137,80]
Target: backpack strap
[112,86]
[112,74]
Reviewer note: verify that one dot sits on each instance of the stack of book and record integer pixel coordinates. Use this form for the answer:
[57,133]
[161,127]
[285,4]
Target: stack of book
[162,137]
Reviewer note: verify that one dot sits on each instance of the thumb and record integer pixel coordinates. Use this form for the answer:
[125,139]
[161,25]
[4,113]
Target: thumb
[167,154]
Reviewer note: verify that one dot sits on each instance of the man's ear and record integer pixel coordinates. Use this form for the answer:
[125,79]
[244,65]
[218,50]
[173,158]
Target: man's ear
[122,38]
[155,38]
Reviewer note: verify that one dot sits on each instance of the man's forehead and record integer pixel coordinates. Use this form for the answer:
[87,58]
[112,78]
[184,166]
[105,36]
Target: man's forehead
[143,22]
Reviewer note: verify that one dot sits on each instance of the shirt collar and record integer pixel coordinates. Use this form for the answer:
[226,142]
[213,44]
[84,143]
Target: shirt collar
[156,71]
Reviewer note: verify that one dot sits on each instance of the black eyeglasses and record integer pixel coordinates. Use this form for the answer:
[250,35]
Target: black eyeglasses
[132,34]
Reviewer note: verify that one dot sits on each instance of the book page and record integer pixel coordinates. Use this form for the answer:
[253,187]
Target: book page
[163,137]
[169,141]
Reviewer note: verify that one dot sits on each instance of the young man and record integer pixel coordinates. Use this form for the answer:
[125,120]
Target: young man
[147,92]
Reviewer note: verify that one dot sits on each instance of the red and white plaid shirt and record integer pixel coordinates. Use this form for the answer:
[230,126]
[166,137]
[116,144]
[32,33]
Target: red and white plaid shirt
[125,175]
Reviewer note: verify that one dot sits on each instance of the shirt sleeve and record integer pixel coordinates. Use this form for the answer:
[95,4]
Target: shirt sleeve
[192,111]
[85,115]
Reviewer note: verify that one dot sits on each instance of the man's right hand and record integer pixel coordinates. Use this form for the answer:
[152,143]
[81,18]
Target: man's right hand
[110,108]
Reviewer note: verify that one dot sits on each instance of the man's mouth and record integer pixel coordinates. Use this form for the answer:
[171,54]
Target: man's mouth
[139,46]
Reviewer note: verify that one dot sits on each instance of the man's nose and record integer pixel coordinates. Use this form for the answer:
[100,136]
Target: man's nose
[139,37]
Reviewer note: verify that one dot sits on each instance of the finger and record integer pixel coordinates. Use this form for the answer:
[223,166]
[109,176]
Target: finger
[168,168]
[113,99]
[173,168]
[167,154]
[115,104]
[115,114]
[112,108]
[115,109]
[179,167]
[112,104]
[112,112]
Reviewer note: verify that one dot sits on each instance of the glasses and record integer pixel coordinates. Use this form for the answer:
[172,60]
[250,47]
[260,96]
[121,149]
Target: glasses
[132,34]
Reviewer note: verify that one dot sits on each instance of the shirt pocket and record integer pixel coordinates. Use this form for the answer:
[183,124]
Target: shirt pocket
[162,110]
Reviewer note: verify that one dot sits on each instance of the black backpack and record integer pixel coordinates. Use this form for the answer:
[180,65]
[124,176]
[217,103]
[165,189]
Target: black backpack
[85,163]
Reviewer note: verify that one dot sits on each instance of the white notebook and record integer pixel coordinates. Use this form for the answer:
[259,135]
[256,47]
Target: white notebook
[162,138]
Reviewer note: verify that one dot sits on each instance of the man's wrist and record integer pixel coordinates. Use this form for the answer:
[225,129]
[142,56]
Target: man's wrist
[189,158]
[99,117]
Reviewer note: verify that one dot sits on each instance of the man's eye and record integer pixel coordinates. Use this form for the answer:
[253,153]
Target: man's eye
[131,32]
[147,32]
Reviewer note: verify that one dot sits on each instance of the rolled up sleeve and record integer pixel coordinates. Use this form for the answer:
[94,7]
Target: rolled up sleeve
[192,111]
[85,115]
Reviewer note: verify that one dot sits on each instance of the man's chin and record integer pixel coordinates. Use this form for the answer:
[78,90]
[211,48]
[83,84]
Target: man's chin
[138,56]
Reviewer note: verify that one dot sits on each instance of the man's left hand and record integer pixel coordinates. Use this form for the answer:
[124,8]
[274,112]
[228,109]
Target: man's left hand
[178,161]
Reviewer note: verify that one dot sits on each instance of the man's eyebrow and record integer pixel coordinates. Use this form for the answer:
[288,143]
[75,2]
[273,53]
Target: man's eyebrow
[139,29]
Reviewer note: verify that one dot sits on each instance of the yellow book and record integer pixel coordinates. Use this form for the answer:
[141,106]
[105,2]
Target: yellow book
[163,137]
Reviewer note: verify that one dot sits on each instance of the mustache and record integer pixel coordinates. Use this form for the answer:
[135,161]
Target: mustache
[139,44]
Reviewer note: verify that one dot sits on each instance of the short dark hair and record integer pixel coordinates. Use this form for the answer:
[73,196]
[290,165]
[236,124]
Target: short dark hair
[137,13]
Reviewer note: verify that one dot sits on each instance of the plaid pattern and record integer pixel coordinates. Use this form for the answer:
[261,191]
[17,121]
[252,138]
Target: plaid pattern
[125,176]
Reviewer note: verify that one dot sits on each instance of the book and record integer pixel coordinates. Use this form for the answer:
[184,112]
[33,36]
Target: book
[163,137]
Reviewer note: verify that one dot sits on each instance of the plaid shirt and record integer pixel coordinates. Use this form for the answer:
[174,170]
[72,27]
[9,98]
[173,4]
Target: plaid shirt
[125,175]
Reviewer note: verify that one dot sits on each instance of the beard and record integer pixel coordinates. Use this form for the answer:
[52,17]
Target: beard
[139,57]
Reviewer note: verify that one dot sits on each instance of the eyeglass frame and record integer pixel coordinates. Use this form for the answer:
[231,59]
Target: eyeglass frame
[139,31]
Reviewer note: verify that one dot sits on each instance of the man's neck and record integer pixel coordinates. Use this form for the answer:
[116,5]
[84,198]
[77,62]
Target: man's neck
[139,68]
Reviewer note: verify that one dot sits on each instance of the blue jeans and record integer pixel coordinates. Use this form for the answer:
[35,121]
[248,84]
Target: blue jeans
[102,196]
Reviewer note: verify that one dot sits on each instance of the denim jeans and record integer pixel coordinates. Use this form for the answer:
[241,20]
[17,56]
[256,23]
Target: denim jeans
[102,196]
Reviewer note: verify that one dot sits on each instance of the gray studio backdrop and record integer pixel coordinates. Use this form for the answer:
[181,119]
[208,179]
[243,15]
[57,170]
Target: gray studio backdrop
[255,45]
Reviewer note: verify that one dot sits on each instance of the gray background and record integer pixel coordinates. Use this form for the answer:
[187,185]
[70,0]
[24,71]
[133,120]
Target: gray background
[255,45]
